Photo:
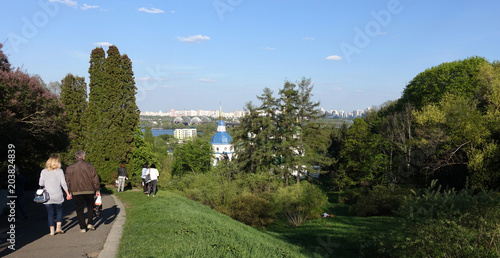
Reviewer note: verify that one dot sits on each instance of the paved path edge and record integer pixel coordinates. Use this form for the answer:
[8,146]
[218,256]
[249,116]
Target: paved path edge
[110,248]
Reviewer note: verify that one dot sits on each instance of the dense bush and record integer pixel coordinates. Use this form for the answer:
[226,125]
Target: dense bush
[204,188]
[250,209]
[299,202]
[443,224]
[382,200]
[252,199]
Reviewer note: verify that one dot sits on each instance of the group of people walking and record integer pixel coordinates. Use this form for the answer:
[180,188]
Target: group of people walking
[149,179]
[80,183]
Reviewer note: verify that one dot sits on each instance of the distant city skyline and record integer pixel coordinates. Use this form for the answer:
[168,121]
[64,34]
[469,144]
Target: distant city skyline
[332,113]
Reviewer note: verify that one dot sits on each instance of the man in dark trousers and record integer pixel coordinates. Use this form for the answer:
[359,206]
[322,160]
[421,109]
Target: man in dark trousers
[83,184]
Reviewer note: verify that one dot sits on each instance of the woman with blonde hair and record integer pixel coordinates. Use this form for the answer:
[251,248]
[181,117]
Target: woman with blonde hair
[52,178]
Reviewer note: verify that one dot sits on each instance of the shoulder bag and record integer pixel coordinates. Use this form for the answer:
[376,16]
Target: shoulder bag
[41,196]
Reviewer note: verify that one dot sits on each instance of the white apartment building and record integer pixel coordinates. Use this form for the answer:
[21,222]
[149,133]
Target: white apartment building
[183,134]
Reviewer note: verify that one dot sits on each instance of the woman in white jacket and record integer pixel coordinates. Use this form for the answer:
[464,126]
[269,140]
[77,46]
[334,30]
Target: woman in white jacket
[52,178]
[153,172]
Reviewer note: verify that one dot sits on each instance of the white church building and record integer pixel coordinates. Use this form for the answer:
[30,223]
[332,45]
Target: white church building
[222,143]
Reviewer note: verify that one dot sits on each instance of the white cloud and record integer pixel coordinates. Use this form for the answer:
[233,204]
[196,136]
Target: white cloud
[309,38]
[268,48]
[151,10]
[103,44]
[151,79]
[66,2]
[85,7]
[206,80]
[334,57]
[193,39]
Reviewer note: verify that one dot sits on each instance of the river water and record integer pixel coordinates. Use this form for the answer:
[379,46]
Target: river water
[157,132]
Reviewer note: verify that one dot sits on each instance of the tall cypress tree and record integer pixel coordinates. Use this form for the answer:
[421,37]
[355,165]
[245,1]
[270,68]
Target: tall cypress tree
[129,108]
[74,99]
[113,113]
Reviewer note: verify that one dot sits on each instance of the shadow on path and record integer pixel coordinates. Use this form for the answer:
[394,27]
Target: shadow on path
[32,235]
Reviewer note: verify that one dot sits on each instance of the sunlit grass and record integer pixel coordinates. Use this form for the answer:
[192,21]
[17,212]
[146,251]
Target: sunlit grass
[169,225]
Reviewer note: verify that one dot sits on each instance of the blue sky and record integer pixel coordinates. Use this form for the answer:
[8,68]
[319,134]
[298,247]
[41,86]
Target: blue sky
[193,54]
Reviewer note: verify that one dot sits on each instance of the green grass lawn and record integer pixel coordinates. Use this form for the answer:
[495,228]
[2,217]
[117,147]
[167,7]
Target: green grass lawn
[169,225]
[337,236]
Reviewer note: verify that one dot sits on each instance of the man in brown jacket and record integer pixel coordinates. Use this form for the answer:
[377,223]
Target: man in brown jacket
[83,184]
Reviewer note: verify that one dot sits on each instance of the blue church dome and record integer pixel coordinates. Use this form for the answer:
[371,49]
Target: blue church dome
[221,123]
[221,138]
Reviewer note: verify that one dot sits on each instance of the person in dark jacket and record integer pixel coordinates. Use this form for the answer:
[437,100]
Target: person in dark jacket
[83,184]
[122,176]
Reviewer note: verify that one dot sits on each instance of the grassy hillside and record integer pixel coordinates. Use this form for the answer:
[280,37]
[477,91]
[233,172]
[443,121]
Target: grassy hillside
[169,225]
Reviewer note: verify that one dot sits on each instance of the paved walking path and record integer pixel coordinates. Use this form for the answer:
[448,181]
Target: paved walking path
[32,237]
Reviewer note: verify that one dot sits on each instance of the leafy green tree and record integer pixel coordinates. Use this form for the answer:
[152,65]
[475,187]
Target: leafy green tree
[337,139]
[31,118]
[113,113]
[148,135]
[456,78]
[452,134]
[193,156]
[397,129]
[363,160]
[74,98]
[142,153]
[4,61]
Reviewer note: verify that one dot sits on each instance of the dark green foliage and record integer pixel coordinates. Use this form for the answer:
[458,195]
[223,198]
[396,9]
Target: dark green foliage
[4,62]
[282,134]
[142,153]
[113,113]
[31,118]
[74,99]
[253,139]
[363,162]
[382,200]
[193,156]
[444,224]
[352,195]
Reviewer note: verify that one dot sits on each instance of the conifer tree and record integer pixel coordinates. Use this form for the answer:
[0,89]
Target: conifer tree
[74,99]
[113,113]
[281,135]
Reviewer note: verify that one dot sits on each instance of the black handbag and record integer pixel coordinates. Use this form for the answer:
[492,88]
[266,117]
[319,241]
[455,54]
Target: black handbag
[41,196]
